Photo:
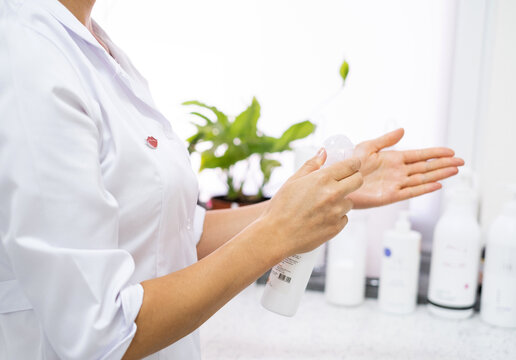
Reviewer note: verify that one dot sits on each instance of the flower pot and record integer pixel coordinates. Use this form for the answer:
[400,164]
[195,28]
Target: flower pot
[221,202]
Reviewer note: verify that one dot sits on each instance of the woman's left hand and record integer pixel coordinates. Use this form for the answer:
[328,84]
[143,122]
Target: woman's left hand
[391,176]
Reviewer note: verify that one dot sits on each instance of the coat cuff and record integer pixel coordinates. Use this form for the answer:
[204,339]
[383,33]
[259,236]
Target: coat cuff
[132,299]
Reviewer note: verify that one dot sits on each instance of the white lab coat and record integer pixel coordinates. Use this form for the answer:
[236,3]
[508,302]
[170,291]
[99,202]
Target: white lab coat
[88,209]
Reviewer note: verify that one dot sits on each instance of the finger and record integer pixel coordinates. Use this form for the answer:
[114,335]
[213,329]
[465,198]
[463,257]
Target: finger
[340,225]
[431,165]
[312,164]
[431,176]
[413,191]
[412,156]
[343,169]
[389,139]
[350,184]
[347,205]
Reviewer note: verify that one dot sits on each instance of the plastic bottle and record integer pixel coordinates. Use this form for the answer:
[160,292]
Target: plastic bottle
[301,155]
[498,306]
[287,280]
[456,254]
[399,272]
[346,264]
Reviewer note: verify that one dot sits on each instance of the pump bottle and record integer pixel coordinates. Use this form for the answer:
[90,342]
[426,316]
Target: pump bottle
[456,253]
[498,305]
[288,279]
[399,273]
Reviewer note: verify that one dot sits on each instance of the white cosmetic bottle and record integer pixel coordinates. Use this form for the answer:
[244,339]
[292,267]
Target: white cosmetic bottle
[346,263]
[456,254]
[301,155]
[498,305]
[399,273]
[287,280]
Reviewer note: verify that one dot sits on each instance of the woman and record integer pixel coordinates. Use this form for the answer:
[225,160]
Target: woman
[104,253]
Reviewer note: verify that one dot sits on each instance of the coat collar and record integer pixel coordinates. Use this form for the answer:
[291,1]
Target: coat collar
[68,20]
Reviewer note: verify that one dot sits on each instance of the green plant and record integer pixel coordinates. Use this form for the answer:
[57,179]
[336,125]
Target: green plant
[227,141]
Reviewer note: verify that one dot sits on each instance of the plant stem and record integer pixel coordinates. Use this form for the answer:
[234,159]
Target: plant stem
[241,189]
[231,188]
[326,101]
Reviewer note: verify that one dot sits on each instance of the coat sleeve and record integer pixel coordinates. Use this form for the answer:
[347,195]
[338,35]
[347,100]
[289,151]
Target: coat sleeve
[58,223]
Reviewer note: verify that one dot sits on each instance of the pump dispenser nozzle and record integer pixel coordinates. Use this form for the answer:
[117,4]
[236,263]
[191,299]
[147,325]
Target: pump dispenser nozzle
[403,222]
[338,148]
[465,176]
[512,190]
[463,193]
[511,204]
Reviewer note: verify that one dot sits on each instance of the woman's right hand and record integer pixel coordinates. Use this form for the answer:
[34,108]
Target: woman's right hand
[310,208]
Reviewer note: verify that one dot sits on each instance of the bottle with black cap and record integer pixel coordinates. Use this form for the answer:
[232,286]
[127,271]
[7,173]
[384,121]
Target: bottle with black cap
[456,253]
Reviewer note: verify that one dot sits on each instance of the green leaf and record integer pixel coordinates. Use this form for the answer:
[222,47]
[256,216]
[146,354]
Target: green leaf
[221,131]
[262,145]
[221,117]
[204,133]
[210,161]
[244,125]
[267,166]
[236,153]
[208,121]
[230,157]
[295,132]
[344,70]
[193,140]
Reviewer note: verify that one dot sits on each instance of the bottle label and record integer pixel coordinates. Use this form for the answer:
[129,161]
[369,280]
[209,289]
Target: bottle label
[500,279]
[401,271]
[454,274]
[281,275]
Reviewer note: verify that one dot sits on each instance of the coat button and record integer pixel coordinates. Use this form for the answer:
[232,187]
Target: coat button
[152,142]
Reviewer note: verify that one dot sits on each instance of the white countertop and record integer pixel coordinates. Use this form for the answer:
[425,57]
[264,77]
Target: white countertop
[244,330]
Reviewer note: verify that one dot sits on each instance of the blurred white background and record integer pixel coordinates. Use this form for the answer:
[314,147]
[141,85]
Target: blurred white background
[416,64]
[288,54]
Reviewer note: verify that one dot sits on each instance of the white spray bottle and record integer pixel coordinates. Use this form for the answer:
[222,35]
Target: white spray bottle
[287,280]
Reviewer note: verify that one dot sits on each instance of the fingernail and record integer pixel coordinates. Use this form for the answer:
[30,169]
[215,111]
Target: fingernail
[320,152]
[356,164]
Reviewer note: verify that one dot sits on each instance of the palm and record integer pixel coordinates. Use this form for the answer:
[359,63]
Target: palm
[391,176]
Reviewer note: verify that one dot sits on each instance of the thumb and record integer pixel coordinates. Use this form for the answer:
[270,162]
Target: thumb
[312,164]
[388,139]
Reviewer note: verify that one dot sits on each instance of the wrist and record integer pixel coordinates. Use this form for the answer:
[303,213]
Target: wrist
[268,241]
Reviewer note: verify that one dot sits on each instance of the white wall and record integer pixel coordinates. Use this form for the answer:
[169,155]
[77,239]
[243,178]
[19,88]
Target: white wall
[482,120]
[466,79]
[497,133]
[288,52]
